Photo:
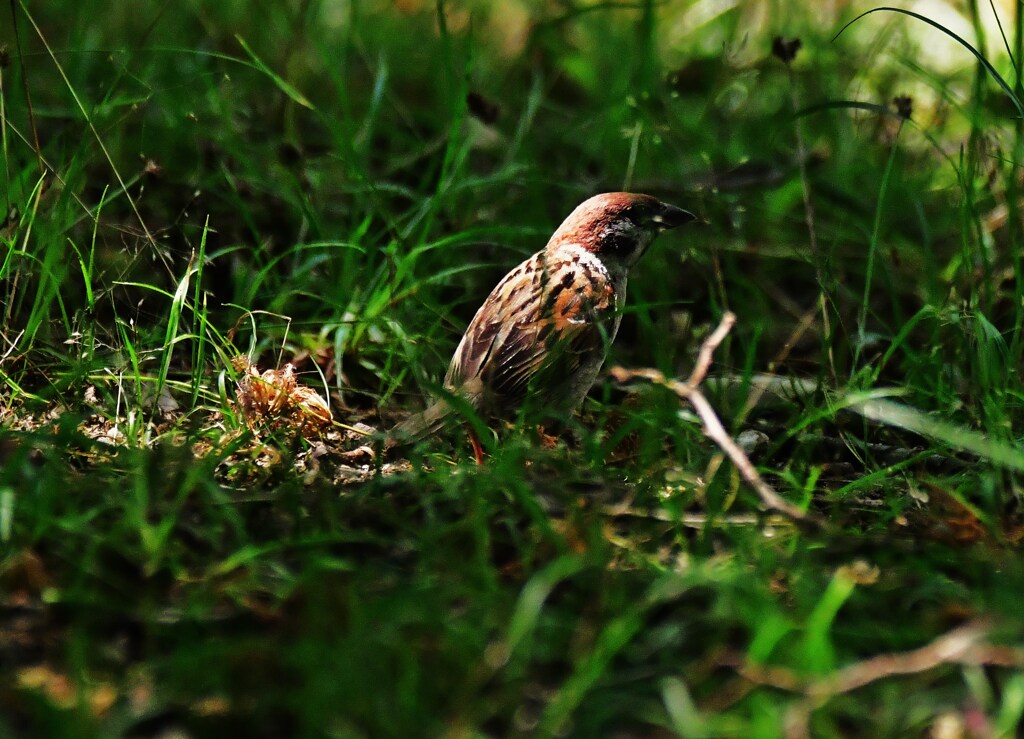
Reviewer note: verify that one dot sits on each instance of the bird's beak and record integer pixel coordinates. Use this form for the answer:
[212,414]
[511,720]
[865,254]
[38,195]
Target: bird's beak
[672,217]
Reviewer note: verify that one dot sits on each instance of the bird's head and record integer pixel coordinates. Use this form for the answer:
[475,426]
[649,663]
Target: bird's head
[618,226]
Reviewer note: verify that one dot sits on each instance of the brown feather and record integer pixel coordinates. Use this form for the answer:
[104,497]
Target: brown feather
[508,355]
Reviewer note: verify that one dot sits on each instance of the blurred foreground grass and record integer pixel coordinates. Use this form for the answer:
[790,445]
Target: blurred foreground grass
[338,185]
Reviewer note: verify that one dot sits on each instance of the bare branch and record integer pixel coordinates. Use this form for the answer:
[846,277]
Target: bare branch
[713,427]
[707,349]
[963,645]
[715,431]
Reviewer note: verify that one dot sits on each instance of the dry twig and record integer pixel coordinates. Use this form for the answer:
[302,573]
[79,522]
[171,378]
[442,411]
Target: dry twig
[713,428]
[963,645]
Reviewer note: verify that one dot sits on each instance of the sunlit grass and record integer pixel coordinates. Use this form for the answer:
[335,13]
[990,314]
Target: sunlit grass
[339,186]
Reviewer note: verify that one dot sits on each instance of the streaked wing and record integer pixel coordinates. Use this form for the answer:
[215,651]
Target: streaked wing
[507,348]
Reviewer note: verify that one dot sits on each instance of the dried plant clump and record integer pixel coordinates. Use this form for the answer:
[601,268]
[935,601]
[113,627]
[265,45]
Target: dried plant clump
[274,399]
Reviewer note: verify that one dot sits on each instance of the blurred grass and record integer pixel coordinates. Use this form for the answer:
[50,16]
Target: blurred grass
[341,184]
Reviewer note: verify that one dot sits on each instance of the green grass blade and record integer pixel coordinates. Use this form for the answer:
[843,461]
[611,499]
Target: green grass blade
[959,39]
[956,437]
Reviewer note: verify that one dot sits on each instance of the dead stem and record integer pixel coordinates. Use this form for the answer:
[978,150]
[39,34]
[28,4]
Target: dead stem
[713,428]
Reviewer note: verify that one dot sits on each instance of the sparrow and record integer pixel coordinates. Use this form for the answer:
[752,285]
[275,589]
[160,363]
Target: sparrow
[544,331]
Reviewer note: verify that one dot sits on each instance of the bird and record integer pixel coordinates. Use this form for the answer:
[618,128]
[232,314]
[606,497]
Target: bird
[543,333]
